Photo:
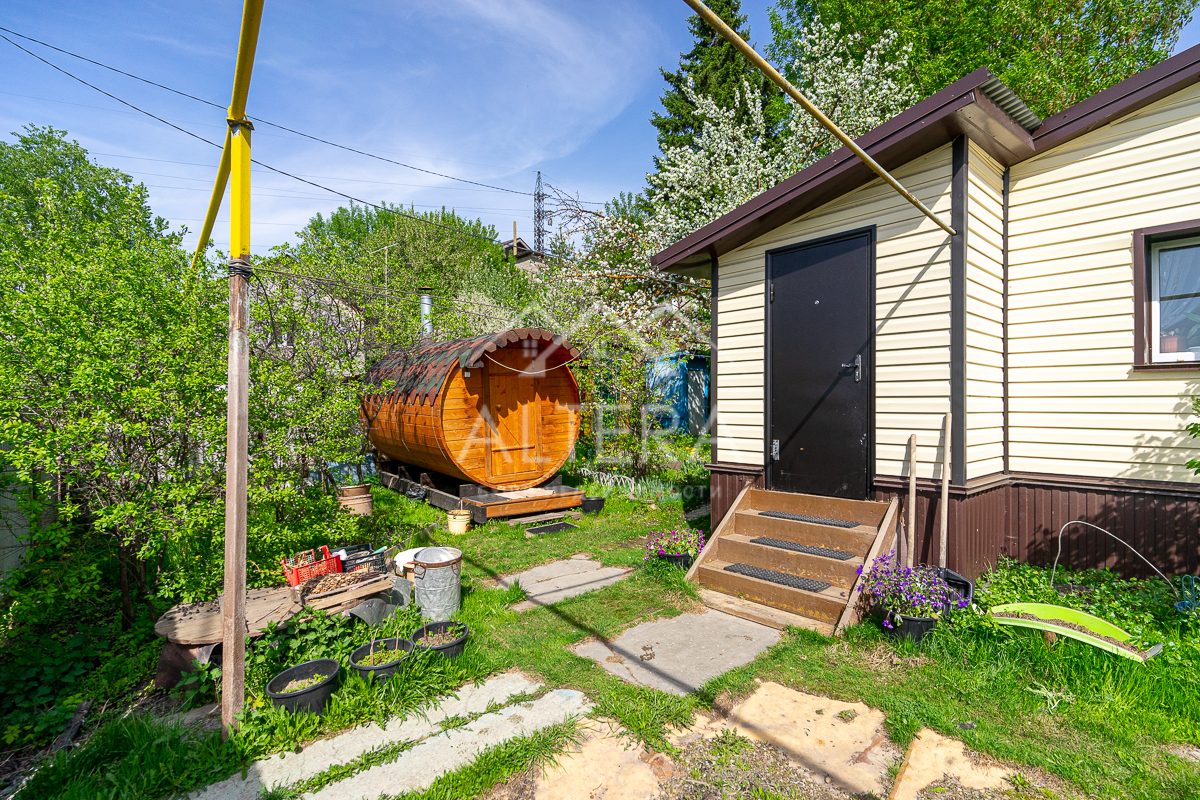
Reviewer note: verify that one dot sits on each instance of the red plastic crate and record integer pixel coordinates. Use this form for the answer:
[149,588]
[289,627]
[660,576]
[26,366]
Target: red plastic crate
[302,566]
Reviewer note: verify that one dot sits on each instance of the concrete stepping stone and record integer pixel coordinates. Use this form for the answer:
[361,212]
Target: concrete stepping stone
[419,767]
[680,655]
[844,743]
[932,757]
[289,768]
[604,766]
[559,580]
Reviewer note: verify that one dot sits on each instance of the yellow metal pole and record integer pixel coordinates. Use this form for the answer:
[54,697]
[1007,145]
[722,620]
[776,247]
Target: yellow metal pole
[214,203]
[717,24]
[233,622]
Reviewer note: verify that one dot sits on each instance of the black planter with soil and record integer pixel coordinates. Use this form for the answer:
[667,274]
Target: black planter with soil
[681,560]
[960,588]
[906,627]
[452,648]
[313,697]
[592,505]
[381,672]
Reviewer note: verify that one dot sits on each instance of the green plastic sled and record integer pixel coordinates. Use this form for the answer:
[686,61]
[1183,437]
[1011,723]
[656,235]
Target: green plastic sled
[1049,615]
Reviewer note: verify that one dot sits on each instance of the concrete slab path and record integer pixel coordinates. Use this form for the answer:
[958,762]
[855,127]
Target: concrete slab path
[288,768]
[680,655]
[604,766]
[559,580]
[419,767]
[932,757]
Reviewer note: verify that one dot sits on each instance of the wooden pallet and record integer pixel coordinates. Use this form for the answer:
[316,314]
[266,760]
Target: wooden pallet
[484,504]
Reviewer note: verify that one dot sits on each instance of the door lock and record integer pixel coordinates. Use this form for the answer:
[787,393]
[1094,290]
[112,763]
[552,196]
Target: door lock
[856,365]
[774,449]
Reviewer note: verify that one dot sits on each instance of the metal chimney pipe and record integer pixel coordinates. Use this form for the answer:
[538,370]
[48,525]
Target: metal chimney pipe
[426,312]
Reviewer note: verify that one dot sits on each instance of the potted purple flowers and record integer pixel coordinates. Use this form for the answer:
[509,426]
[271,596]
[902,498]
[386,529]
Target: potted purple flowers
[678,547]
[911,597]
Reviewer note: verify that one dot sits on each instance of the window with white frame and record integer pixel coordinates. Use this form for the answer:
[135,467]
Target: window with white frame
[1175,300]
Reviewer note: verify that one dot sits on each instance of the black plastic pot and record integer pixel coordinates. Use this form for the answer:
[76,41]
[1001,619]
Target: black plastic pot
[913,628]
[401,647]
[682,560]
[453,649]
[964,588]
[314,698]
[593,505]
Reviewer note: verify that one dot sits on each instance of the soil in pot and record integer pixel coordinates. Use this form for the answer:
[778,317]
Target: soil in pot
[447,638]
[905,627]
[380,658]
[592,505]
[315,680]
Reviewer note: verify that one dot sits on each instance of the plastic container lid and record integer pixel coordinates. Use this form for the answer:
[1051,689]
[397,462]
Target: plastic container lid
[437,556]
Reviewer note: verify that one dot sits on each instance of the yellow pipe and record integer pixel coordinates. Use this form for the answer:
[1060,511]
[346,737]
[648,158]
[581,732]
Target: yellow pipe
[214,203]
[754,58]
[251,18]
[239,195]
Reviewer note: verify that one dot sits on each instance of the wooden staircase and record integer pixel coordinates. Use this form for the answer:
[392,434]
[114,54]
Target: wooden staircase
[764,564]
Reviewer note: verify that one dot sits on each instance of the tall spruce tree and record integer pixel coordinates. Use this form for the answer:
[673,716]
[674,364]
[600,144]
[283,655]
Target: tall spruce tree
[716,70]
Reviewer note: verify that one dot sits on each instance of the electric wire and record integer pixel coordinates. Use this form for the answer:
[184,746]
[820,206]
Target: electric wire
[294,177]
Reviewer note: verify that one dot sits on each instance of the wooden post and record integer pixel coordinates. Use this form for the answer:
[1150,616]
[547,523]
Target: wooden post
[514,240]
[945,493]
[233,608]
[911,535]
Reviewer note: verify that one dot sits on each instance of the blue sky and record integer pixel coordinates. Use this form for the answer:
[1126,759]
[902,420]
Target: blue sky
[482,90]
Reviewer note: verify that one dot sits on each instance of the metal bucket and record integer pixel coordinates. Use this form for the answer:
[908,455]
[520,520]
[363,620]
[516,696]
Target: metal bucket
[437,572]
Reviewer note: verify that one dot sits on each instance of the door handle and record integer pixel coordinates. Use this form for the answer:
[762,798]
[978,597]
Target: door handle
[856,365]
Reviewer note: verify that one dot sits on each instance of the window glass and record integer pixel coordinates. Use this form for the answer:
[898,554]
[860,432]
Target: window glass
[1176,300]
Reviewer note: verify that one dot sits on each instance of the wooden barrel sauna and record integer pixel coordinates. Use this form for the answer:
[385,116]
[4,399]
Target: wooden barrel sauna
[500,410]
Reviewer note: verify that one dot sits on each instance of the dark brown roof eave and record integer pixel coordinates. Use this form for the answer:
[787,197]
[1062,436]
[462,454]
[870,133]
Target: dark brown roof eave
[962,107]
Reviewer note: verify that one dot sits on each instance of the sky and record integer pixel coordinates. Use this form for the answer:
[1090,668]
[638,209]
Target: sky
[474,89]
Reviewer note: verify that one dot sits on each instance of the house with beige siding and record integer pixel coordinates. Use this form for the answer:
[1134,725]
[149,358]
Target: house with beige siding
[1059,326]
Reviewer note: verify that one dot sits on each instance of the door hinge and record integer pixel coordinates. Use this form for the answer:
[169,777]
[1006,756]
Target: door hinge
[774,449]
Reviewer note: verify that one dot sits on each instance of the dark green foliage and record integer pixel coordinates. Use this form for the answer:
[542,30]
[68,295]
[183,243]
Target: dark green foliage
[1051,54]
[132,758]
[715,68]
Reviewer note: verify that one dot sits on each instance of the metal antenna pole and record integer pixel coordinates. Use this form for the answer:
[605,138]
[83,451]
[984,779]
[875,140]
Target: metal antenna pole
[539,218]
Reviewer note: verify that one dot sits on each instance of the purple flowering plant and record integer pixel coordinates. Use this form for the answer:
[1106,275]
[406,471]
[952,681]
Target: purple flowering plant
[674,543]
[908,591]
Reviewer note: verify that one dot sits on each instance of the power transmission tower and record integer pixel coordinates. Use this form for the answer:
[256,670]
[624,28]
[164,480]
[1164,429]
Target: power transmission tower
[539,217]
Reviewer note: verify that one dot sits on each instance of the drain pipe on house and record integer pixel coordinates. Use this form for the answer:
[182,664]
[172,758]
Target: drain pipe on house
[717,24]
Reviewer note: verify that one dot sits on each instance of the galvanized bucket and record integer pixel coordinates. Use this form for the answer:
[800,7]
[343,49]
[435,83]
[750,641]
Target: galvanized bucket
[436,575]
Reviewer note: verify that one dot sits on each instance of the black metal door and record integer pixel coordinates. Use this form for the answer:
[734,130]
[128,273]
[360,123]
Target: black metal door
[819,363]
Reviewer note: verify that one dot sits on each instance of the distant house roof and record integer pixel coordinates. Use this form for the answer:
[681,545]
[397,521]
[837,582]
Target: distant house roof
[523,250]
[978,105]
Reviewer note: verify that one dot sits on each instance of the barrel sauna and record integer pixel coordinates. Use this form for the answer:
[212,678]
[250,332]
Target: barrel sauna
[500,410]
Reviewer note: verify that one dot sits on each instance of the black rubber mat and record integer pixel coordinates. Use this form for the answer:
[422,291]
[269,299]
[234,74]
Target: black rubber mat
[838,523]
[553,527]
[794,581]
[808,549]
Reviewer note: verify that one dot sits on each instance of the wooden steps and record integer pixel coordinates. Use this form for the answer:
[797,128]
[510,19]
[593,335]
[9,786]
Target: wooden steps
[772,597]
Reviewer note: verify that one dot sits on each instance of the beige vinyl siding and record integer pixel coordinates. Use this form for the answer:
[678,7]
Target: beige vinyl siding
[912,315]
[984,315]
[1076,406]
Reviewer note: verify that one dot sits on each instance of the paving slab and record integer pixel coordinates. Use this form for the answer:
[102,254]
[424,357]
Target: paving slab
[842,742]
[932,757]
[680,655]
[604,766]
[419,767]
[559,580]
[289,768]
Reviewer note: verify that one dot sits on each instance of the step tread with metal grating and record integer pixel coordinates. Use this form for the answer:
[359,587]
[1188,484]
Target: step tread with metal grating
[782,578]
[807,549]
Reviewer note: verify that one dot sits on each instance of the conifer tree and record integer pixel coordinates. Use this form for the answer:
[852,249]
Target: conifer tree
[716,70]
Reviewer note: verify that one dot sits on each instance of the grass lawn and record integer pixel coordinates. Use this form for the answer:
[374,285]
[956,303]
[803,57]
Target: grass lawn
[1101,723]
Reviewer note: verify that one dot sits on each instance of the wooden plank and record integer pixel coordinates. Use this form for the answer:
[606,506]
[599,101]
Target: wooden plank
[739,549]
[854,610]
[193,624]
[764,615]
[825,605]
[533,505]
[852,540]
[726,526]
[575,515]
[865,512]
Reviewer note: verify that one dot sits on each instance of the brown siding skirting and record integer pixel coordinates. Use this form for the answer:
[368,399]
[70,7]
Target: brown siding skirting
[726,482]
[1019,515]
